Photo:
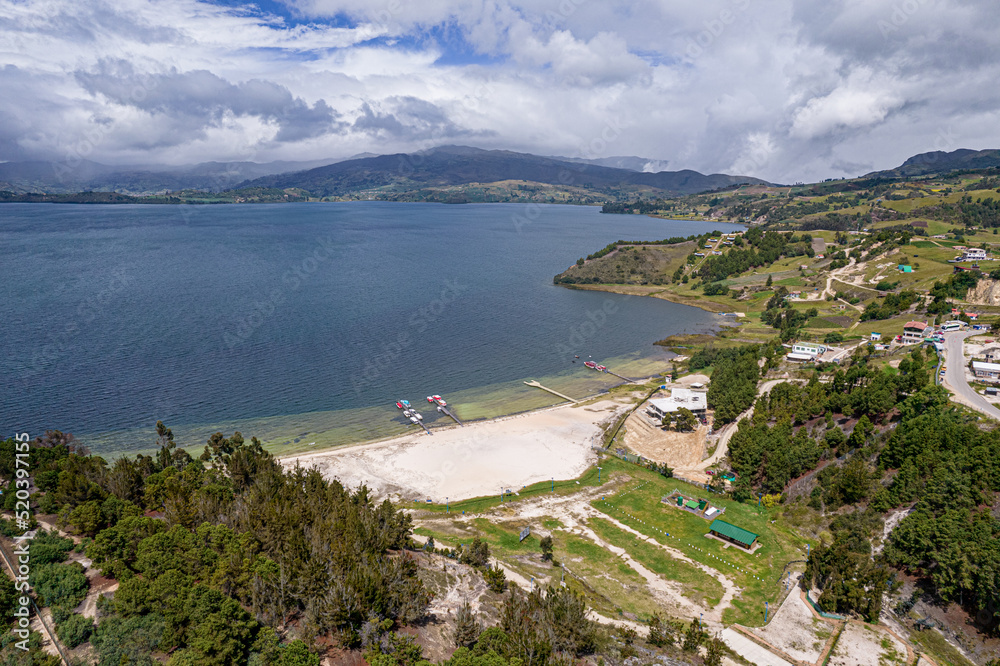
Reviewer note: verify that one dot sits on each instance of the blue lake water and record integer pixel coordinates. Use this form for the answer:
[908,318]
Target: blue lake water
[116,316]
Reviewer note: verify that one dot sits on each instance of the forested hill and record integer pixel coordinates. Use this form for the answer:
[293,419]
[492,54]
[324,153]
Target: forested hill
[460,165]
[228,559]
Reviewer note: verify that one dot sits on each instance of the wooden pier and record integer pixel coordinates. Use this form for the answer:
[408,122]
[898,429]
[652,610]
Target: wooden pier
[447,412]
[544,388]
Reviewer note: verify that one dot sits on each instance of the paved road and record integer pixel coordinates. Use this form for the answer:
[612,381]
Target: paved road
[954,378]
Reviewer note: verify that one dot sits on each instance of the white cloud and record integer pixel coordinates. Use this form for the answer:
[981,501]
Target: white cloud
[862,100]
[787,90]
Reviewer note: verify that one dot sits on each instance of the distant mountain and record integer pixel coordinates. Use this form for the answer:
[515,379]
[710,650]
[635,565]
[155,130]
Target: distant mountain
[936,162]
[450,166]
[632,163]
[63,178]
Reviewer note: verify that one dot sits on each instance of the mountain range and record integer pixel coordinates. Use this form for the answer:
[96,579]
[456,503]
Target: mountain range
[454,166]
[449,173]
[939,162]
[86,175]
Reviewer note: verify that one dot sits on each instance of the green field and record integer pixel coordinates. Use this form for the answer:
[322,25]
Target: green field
[757,574]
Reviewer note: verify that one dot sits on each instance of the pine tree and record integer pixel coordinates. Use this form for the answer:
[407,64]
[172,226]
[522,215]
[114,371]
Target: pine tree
[546,545]
[714,655]
[467,627]
[693,637]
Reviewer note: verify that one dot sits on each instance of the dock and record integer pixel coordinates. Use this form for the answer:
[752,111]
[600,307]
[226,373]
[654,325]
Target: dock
[544,388]
[447,412]
[626,379]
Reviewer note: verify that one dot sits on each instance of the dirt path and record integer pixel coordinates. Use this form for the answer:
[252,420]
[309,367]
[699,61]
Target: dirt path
[575,511]
[725,434]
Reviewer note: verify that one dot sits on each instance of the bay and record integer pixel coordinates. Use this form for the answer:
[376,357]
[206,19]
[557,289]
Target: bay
[306,321]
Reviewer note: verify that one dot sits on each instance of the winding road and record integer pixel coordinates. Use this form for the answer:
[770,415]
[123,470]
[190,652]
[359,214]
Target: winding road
[954,378]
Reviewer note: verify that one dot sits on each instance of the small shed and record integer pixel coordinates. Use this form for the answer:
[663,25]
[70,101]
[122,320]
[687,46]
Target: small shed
[733,534]
[903,268]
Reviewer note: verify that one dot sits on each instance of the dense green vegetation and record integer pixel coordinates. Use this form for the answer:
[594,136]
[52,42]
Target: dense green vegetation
[734,380]
[237,550]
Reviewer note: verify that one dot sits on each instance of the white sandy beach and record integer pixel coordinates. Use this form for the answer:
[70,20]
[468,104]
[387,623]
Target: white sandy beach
[475,460]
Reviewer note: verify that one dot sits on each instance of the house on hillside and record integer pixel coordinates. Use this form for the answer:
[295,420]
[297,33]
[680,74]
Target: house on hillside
[903,268]
[973,254]
[806,351]
[913,332]
[875,336]
[696,401]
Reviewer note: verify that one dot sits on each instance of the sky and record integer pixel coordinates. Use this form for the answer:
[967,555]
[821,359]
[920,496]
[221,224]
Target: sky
[778,89]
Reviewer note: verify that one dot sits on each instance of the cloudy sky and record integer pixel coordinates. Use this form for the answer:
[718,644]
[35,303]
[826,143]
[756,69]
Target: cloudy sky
[779,89]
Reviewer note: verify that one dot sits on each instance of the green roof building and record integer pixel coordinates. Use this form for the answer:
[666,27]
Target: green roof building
[731,533]
[905,269]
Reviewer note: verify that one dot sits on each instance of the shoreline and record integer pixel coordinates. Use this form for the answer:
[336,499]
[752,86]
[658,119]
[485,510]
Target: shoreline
[475,460]
[660,292]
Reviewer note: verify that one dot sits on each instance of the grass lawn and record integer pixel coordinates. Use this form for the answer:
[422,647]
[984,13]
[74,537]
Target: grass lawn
[697,585]
[757,574]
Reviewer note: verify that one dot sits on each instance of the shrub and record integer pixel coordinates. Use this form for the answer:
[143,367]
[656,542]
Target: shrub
[76,629]
[495,578]
[59,584]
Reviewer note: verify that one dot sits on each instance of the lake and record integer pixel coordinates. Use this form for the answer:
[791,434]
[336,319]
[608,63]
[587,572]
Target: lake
[304,323]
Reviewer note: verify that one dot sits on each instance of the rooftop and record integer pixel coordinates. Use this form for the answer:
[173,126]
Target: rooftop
[919,325]
[738,534]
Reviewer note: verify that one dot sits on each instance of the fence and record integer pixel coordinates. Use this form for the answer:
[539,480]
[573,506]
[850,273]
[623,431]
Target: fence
[831,616]
[671,499]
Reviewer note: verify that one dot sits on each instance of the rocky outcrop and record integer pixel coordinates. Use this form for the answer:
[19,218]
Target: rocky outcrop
[987,292]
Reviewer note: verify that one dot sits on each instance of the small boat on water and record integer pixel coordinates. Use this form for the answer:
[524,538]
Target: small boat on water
[414,419]
[407,412]
[399,404]
[406,403]
[417,416]
[601,368]
[590,364]
[438,399]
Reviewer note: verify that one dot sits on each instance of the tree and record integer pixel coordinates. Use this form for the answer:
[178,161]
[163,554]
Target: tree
[694,636]
[477,554]
[467,627]
[76,629]
[546,546]
[660,632]
[685,420]
[715,651]
[495,578]
[770,281]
